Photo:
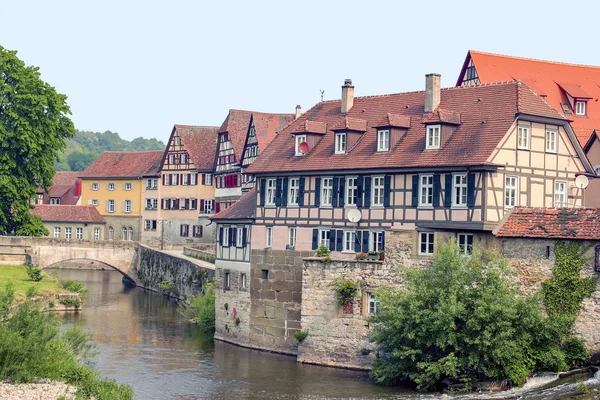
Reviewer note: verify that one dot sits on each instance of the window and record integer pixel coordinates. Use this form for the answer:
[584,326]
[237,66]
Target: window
[227,281]
[292,237]
[243,281]
[293,191]
[264,274]
[270,195]
[177,140]
[240,237]
[151,204]
[185,180]
[171,159]
[340,143]
[560,194]
[349,239]
[183,203]
[111,233]
[269,236]
[110,207]
[225,236]
[465,243]
[193,179]
[378,190]
[376,241]
[197,230]
[207,206]
[208,179]
[351,191]
[127,206]
[79,233]
[147,224]
[55,200]
[111,186]
[95,186]
[96,233]
[459,197]
[326,191]
[56,232]
[184,230]
[373,303]
[124,233]
[183,158]
[95,202]
[67,233]
[580,108]
[299,139]
[383,140]
[523,138]
[128,186]
[551,135]
[426,243]
[433,137]
[151,183]
[426,190]
[324,237]
[130,233]
[511,191]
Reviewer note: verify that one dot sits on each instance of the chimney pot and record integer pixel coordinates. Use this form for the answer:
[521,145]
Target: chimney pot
[432,92]
[298,111]
[347,96]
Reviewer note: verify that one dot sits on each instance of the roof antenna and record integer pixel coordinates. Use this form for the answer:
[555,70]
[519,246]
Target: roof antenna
[322,91]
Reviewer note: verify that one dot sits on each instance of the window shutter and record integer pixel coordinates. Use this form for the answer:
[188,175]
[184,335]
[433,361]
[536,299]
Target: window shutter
[436,190]
[204,179]
[132,206]
[284,194]
[278,185]
[263,188]
[201,206]
[331,240]
[181,230]
[341,191]
[448,191]
[186,204]
[200,230]
[245,237]
[123,205]
[383,241]
[334,194]
[234,237]
[367,202]
[387,184]
[301,191]
[221,235]
[365,242]
[213,205]
[415,190]
[359,191]
[230,237]
[317,192]
[357,241]
[471,190]
[106,205]
[217,207]
[315,239]
[340,238]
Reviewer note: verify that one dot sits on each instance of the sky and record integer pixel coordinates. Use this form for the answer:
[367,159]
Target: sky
[139,67]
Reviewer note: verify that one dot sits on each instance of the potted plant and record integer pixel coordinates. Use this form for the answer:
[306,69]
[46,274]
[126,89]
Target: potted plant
[373,255]
[381,255]
[361,256]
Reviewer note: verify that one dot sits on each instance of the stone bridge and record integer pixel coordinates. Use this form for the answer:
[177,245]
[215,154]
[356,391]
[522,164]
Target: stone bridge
[45,252]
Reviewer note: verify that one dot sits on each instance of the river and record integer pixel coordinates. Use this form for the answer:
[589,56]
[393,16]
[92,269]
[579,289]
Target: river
[143,341]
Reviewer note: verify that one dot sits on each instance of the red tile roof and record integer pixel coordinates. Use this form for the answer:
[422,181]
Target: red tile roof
[310,127]
[551,223]
[441,115]
[121,164]
[549,79]
[394,121]
[200,143]
[65,177]
[60,213]
[486,114]
[241,209]
[350,124]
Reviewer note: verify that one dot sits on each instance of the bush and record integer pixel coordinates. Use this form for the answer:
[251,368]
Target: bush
[346,289]
[576,355]
[201,309]
[166,286]
[72,285]
[34,273]
[300,335]
[71,302]
[322,251]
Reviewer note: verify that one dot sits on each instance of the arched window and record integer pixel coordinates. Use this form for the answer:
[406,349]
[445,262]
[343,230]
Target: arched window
[111,233]
[124,233]
[130,233]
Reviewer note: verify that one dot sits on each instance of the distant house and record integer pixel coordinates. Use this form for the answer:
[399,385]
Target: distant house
[65,190]
[71,222]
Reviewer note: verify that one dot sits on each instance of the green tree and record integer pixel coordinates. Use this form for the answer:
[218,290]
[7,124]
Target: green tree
[78,161]
[34,125]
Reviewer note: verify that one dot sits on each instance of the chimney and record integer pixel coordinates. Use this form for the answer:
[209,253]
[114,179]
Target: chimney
[298,111]
[347,96]
[432,92]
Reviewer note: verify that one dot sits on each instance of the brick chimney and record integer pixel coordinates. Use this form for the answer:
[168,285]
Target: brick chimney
[298,111]
[347,96]
[432,92]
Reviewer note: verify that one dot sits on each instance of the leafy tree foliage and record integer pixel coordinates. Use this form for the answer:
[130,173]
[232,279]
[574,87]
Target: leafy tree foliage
[461,319]
[34,125]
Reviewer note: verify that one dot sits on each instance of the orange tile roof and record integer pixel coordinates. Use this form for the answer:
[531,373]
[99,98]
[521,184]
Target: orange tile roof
[551,223]
[61,213]
[486,114]
[546,78]
[123,164]
[241,209]
[200,143]
[65,177]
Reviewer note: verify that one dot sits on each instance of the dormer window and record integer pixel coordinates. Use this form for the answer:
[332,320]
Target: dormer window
[299,139]
[580,107]
[433,137]
[340,143]
[383,140]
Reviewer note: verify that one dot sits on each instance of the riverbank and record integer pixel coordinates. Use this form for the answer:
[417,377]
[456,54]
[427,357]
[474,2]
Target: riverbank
[17,274]
[46,390]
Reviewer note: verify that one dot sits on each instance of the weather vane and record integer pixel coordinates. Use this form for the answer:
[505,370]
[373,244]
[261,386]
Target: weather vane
[322,91]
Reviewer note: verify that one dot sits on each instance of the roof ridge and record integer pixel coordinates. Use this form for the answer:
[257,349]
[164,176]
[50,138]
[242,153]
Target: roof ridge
[197,126]
[259,112]
[534,59]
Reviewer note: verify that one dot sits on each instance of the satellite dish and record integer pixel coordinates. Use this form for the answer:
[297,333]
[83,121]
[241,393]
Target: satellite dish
[354,215]
[303,147]
[582,181]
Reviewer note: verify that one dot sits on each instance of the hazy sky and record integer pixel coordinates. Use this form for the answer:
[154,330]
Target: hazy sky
[138,67]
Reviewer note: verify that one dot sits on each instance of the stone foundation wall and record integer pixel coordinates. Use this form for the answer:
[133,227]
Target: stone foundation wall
[232,303]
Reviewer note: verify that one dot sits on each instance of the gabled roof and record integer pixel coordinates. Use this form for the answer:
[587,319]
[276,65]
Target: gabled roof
[123,164]
[486,114]
[547,78]
[444,116]
[551,223]
[241,209]
[350,124]
[65,177]
[199,141]
[394,121]
[60,213]
[310,127]
[267,126]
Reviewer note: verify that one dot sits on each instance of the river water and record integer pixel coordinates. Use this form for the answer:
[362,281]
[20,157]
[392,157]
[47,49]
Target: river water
[143,341]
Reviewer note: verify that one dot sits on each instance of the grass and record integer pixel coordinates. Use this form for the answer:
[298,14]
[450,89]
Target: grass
[17,274]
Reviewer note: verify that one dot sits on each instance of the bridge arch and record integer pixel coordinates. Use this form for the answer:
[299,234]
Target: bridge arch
[110,267]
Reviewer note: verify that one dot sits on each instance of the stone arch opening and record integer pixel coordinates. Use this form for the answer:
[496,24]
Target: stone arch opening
[112,267]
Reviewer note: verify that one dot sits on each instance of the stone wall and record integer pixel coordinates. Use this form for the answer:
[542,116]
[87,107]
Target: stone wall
[232,303]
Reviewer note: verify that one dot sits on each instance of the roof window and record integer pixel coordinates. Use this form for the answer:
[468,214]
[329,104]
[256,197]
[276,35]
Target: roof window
[580,107]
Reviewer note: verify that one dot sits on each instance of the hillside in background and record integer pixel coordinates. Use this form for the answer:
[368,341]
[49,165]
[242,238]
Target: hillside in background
[86,146]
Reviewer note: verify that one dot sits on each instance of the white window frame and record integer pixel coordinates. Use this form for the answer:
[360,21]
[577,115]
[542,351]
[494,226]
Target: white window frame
[383,140]
[240,236]
[96,233]
[349,241]
[377,190]
[111,186]
[130,234]
[95,186]
[171,159]
[433,138]
[226,236]
[511,191]
[459,190]
[182,203]
[269,236]
[243,281]
[124,233]
[523,137]
[462,240]
[292,237]
[580,107]
[147,224]
[324,235]
[561,193]
[326,191]
[270,189]
[95,202]
[55,200]
[375,237]
[293,191]
[111,233]
[340,143]
[68,232]
[183,158]
[551,141]
[79,233]
[57,232]
[299,139]
[429,243]
[208,180]
[372,303]
[185,179]
[176,140]
[351,192]
[128,186]
[127,206]
[207,206]
[426,190]
[112,206]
